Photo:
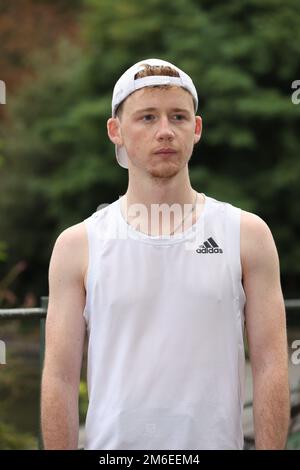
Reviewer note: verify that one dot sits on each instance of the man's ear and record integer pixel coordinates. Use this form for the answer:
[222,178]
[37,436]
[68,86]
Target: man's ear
[198,129]
[114,131]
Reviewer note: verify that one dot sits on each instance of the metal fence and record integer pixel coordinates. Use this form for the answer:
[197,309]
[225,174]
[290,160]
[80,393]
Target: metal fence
[40,314]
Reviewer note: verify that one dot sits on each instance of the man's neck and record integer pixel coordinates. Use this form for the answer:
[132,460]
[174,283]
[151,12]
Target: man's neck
[159,207]
[150,190]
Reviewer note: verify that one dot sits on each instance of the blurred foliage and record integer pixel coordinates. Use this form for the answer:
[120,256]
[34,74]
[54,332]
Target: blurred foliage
[7,296]
[3,248]
[10,439]
[28,25]
[19,390]
[83,401]
[58,164]
[293,442]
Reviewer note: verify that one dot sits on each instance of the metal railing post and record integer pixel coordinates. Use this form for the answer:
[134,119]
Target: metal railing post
[44,305]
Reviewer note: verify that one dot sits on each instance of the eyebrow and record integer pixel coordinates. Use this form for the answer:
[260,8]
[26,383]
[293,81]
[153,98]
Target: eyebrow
[151,109]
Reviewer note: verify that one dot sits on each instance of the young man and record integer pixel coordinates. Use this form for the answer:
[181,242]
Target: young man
[164,301]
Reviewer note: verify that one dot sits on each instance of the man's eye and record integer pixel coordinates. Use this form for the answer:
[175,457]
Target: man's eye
[147,117]
[179,117]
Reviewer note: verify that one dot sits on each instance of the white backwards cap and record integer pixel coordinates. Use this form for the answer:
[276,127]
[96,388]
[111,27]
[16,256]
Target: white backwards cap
[127,85]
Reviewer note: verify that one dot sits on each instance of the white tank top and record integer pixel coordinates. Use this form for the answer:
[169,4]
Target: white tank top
[165,321]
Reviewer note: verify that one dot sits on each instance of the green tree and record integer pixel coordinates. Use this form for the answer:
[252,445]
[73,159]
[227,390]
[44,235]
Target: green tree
[243,57]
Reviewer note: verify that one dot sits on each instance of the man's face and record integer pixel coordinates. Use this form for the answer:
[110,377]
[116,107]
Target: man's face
[159,129]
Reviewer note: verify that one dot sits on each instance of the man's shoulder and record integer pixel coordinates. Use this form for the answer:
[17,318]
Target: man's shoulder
[77,235]
[74,234]
[71,246]
[257,241]
[253,225]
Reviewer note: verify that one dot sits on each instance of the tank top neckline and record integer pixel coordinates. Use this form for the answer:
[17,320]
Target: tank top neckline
[163,239]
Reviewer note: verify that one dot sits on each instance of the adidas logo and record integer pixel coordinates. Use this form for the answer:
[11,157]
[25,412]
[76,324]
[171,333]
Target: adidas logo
[210,246]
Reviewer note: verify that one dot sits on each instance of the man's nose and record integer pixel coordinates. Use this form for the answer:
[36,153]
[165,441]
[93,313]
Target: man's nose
[165,130]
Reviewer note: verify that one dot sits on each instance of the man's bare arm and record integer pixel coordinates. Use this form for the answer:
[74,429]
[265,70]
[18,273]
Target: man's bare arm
[65,331]
[266,333]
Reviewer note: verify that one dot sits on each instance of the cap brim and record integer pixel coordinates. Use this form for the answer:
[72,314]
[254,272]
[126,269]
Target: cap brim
[121,155]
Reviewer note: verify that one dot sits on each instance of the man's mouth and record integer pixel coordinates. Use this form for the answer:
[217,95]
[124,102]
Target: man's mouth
[165,151]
